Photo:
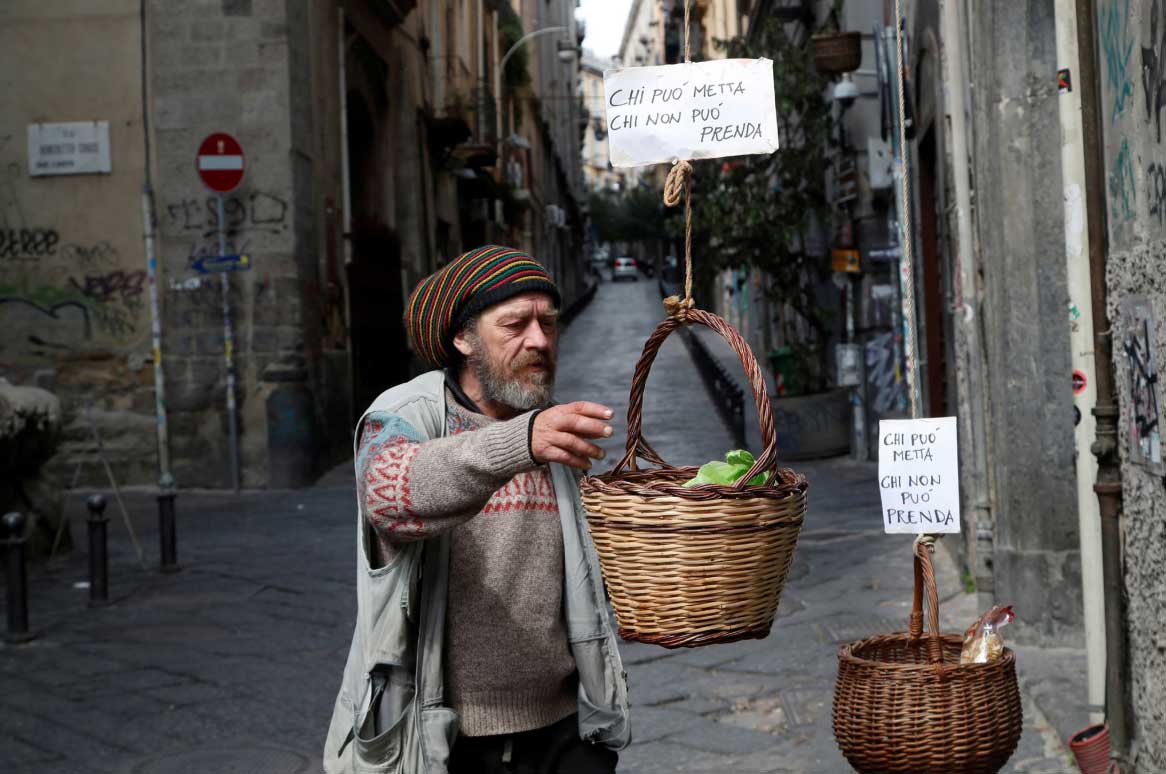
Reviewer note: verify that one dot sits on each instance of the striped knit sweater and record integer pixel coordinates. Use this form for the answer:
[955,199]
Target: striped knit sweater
[508,666]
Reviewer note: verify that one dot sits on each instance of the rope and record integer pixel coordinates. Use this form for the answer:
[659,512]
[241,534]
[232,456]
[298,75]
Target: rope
[680,180]
[906,267]
[926,540]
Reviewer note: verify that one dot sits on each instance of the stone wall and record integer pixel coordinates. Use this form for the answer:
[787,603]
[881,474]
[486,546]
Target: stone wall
[246,67]
[1133,78]
[1036,558]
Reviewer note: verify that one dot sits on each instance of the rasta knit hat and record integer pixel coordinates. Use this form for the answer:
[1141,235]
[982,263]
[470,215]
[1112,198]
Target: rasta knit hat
[444,300]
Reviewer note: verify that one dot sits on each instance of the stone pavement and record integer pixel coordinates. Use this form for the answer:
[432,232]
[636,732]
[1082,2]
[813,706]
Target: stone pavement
[231,665]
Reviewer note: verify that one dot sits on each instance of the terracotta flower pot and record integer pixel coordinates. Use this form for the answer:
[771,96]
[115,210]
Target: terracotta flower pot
[1090,747]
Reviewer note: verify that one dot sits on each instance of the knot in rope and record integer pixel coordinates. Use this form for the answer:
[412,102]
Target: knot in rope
[678,307]
[679,179]
[926,540]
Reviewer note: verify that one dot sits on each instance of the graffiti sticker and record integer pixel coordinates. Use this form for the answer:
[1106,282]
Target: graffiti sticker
[1143,414]
[1079,382]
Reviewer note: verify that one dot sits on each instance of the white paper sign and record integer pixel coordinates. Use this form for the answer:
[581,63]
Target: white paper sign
[77,148]
[919,475]
[698,110]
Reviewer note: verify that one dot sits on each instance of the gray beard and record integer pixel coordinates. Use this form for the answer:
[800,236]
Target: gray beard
[500,387]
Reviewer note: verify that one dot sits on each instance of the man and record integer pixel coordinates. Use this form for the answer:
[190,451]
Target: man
[482,642]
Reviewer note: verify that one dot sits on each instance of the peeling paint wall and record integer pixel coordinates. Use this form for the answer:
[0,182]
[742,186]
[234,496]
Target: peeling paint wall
[1133,77]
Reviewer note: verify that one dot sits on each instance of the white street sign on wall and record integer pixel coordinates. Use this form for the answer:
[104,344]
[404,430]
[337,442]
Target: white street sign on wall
[697,110]
[76,148]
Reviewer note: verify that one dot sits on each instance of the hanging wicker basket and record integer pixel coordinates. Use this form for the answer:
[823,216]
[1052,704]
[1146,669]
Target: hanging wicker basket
[686,567]
[837,52]
[903,703]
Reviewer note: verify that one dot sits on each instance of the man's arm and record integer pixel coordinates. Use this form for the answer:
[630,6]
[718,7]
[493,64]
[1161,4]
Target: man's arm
[414,489]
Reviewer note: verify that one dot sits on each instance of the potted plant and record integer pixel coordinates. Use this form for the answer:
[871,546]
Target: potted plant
[1090,747]
[836,51]
[767,213]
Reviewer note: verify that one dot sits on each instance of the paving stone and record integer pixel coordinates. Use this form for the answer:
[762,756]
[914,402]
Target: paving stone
[726,738]
[189,693]
[17,752]
[658,682]
[653,723]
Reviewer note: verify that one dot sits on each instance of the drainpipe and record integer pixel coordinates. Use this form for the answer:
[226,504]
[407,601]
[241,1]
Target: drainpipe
[1105,448]
[967,310]
[165,478]
[1081,335]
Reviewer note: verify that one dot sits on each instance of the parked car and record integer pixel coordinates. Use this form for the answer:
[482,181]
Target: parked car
[625,268]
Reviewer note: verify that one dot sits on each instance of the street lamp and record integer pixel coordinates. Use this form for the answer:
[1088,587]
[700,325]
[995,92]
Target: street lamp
[566,51]
[502,66]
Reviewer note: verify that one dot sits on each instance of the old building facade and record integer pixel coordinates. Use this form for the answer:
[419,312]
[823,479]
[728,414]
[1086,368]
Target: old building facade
[373,155]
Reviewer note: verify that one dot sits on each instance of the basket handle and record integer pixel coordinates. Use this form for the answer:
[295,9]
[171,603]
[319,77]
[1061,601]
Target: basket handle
[925,581]
[637,446]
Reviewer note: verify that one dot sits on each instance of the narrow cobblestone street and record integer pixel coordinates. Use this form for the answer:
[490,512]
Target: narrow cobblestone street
[232,664]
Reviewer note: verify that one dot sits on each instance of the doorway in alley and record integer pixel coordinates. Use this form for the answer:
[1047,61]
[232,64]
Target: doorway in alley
[380,357]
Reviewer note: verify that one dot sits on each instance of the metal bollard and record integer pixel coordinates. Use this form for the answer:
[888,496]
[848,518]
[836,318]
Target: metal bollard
[13,539]
[98,553]
[167,526]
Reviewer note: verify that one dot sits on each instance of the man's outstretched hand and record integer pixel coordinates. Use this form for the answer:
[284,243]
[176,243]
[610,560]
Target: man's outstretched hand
[561,433]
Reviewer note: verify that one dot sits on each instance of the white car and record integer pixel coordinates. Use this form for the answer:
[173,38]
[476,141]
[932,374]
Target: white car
[625,268]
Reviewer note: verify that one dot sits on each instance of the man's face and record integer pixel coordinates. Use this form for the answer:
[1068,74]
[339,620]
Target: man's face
[513,349]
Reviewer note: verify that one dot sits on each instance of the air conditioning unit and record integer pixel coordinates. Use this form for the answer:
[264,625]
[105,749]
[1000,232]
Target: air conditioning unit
[881,158]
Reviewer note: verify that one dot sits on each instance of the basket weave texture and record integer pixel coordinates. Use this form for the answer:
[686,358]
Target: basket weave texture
[903,704]
[686,567]
[839,52]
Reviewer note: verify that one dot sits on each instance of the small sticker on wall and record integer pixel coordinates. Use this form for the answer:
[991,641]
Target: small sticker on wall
[1064,81]
[1079,382]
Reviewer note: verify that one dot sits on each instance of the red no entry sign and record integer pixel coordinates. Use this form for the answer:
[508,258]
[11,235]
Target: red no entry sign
[220,162]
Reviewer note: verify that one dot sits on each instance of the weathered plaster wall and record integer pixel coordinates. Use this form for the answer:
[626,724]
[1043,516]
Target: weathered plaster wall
[1017,172]
[1133,76]
[73,292]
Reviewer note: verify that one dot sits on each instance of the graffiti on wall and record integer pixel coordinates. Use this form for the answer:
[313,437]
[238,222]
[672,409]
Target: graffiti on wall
[57,294]
[1156,191]
[65,307]
[246,217]
[1144,418]
[256,212]
[884,380]
[1117,46]
[1123,191]
[1154,68]
[124,287]
[89,256]
[25,244]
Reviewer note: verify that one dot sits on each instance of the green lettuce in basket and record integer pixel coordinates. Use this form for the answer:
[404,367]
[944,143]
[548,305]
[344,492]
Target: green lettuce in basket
[736,464]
